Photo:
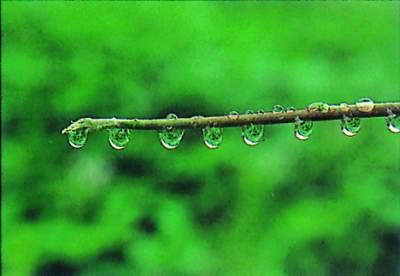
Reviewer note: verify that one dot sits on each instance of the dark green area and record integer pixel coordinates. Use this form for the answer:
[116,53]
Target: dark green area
[326,206]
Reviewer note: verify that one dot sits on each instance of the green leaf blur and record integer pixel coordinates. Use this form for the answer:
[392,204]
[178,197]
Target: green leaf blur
[326,206]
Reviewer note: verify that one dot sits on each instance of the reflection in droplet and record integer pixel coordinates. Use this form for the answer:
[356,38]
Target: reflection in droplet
[118,138]
[302,129]
[365,105]
[252,134]
[234,115]
[171,116]
[78,138]
[212,136]
[350,126]
[318,106]
[393,122]
[291,109]
[171,137]
[279,109]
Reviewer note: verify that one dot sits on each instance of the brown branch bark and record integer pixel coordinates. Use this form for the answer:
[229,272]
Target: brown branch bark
[334,112]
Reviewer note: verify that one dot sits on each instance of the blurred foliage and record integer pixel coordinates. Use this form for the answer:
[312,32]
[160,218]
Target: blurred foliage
[328,206]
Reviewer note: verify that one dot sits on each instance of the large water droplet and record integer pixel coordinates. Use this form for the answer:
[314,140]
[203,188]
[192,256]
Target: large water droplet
[350,125]
[212,136]
[78,138]
[252,134]
[302,129]
[365,105]
[318,106]
[393,122]
[279,109]
[171,137]
[118,138]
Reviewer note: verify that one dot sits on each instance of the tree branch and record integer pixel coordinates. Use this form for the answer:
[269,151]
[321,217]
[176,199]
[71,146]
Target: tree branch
[331,112]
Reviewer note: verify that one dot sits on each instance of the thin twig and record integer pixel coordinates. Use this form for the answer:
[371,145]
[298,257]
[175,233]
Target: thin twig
[334,112]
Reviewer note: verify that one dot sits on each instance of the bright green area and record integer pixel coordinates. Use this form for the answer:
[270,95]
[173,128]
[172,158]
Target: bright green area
[326,206]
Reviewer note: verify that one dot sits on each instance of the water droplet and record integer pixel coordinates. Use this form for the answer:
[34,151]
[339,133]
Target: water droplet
[234,115]
[302,129]
[171,116]
[279,109]
[252,134]
[365,105]
[344,107]
[393,122]
[212,136]
[171,137]
[319,106]
[118,138]
[290,109]
[350,125]
[78,138]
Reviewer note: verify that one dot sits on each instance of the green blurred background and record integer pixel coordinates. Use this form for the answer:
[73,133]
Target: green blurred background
[327,206]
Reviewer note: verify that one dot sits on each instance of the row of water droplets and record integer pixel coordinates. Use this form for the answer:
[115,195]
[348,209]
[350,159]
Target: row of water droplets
[170,137]
[252,134]
[118,138]
[349,125]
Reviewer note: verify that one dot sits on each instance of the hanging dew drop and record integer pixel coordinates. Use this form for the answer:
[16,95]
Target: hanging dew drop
[350,125]
[171,137]
[252,134]
[393,122]
[212,136]
[302,129]
[78,138]
[118,138]
[365,105]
